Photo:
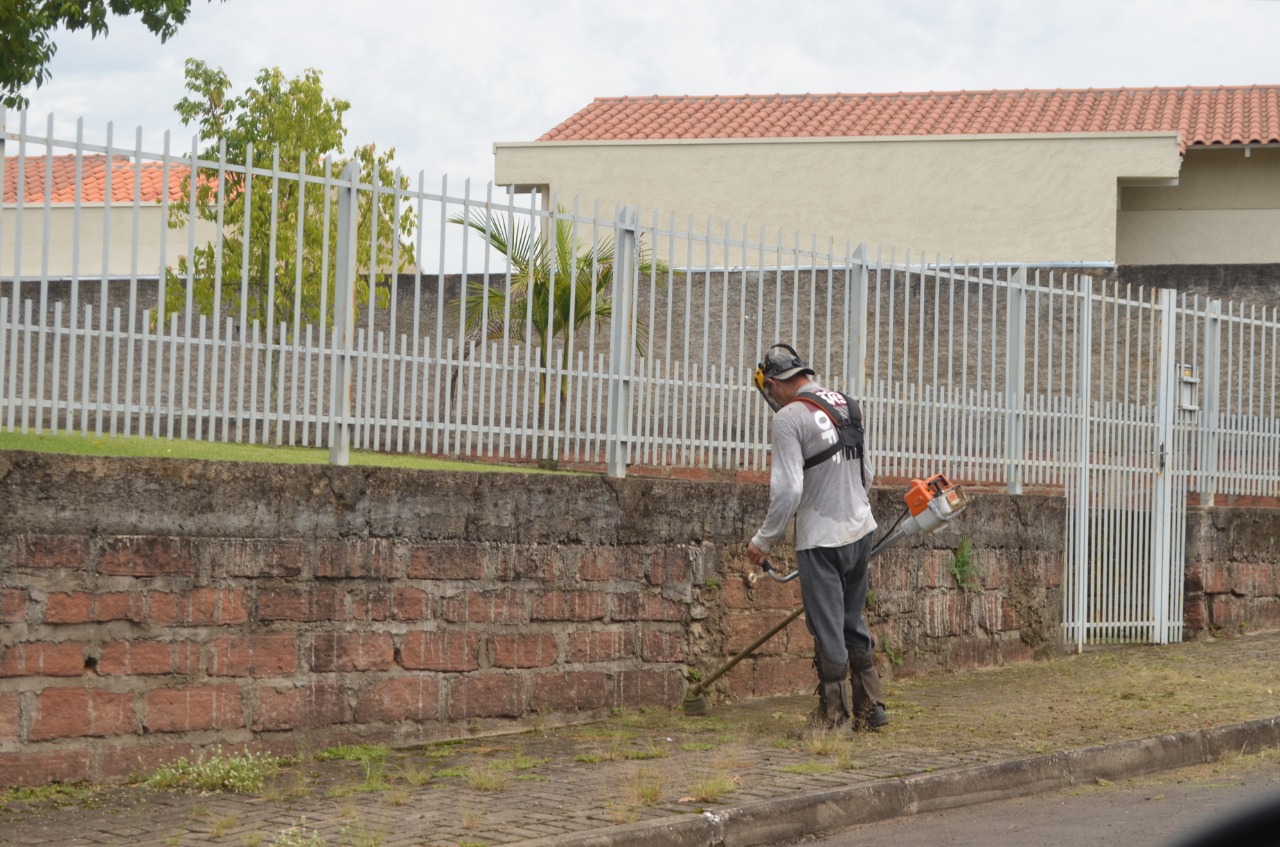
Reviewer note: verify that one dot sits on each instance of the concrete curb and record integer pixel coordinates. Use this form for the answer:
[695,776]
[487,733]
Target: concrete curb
[789,818]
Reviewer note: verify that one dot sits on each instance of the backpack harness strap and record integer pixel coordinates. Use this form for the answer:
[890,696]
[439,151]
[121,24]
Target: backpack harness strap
[851,433]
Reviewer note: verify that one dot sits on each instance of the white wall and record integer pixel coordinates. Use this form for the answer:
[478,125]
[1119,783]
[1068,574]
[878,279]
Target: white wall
[971,198]
[1224,210]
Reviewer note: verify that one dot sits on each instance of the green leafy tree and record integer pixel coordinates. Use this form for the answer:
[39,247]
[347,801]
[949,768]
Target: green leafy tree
[294,119]
[26,33]
[552,311]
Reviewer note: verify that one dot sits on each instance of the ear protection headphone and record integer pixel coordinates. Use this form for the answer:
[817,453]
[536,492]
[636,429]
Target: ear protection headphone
[759,378]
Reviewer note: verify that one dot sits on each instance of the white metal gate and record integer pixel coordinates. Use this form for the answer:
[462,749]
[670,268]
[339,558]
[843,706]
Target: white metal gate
[1143,446]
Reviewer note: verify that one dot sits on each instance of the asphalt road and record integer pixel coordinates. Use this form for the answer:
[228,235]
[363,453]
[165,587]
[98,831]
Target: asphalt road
[1156,811]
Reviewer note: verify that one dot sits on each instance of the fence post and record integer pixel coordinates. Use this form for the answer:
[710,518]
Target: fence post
[856,344]
[621,348]
[344,318]
[1211,425]
[1162,499]
[1078,510]
[1015,364]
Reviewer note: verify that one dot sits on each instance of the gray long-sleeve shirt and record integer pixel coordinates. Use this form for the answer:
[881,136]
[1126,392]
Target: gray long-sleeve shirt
[829,501]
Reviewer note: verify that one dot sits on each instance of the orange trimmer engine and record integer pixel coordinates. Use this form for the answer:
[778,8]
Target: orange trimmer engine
[931,503]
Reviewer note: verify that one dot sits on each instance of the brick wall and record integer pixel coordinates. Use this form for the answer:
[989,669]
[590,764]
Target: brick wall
[149,607]
[1233,571]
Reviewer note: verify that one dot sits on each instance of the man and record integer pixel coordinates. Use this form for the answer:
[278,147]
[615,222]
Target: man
[821,475]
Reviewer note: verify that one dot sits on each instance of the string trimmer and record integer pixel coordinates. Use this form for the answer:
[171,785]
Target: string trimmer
[931,503]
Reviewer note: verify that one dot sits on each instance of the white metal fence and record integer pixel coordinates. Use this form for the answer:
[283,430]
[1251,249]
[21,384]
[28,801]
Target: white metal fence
[604,338]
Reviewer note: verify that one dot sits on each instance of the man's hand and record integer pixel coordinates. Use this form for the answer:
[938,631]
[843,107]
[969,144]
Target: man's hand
[756,555]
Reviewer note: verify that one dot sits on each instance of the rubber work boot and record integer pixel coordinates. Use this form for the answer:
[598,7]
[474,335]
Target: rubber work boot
[833,707]
[868,699]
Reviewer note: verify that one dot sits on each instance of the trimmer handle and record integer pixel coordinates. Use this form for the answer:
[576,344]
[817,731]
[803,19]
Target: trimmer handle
[768,568]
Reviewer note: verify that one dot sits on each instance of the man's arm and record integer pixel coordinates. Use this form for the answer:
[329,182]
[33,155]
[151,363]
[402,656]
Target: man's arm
[786,484]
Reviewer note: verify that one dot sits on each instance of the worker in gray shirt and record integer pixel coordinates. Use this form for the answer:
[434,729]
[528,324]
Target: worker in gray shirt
[821,475]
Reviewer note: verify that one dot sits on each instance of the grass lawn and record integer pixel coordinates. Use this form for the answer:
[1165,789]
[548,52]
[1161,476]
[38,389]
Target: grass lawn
[215,451]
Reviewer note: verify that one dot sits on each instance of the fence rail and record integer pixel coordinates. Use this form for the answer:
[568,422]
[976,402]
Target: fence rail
[502,339]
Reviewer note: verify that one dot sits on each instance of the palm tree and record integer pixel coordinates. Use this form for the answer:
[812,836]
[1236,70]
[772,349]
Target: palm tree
[583,280]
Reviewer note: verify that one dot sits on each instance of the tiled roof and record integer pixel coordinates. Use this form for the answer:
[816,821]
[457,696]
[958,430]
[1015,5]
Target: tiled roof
[1202,116]
[93,179]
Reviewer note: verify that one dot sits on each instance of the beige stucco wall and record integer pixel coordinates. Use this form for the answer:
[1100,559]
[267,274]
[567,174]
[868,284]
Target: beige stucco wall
[151,230]
[1225,209]
[971,198]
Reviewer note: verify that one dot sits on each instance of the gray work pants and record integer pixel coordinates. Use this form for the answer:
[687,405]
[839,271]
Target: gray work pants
[833,586]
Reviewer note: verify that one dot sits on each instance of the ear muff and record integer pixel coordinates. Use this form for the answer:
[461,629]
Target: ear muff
[758,380]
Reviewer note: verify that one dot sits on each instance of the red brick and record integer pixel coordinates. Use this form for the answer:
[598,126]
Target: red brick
[645,607]
[487,696]
[995,614]
[947,614]
[740,630]
[76,607]
[1216,578]
[608,564]
[603,645]
[42,768]
[78,712]
[147,556]
[445,650]
[344,652]
[318,704]
[272,654]
[41,552]
[250,558]
[485,607]
[446,561]
[772,676]
[413,604]
[890,576]
[13,605]
[413,698]
[771,594]
[525,650]
[569,692]
[42,658]
[192,709]
[524,562]
[199,607]
[737,592]
[662,646]
[971,652]
[568,606]
[647,688]
[149,657]
[1253,579]
[1195,615]
[9,718]
[134,757]
[668,566]
[305,605]
[356,558]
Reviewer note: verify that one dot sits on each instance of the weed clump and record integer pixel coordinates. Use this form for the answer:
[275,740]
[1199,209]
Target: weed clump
[235,773]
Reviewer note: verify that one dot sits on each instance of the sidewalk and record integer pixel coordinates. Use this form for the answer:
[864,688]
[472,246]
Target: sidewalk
[737,777]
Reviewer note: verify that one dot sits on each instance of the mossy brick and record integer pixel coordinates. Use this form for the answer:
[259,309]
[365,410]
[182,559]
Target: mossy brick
[45,552]
[146,556]
[446,561]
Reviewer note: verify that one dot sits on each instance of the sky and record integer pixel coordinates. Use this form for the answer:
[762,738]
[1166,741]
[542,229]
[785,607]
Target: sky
[441,82]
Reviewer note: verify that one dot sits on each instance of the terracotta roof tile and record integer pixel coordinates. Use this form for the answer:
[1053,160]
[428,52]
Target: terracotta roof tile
[62,184]
[1201,116]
